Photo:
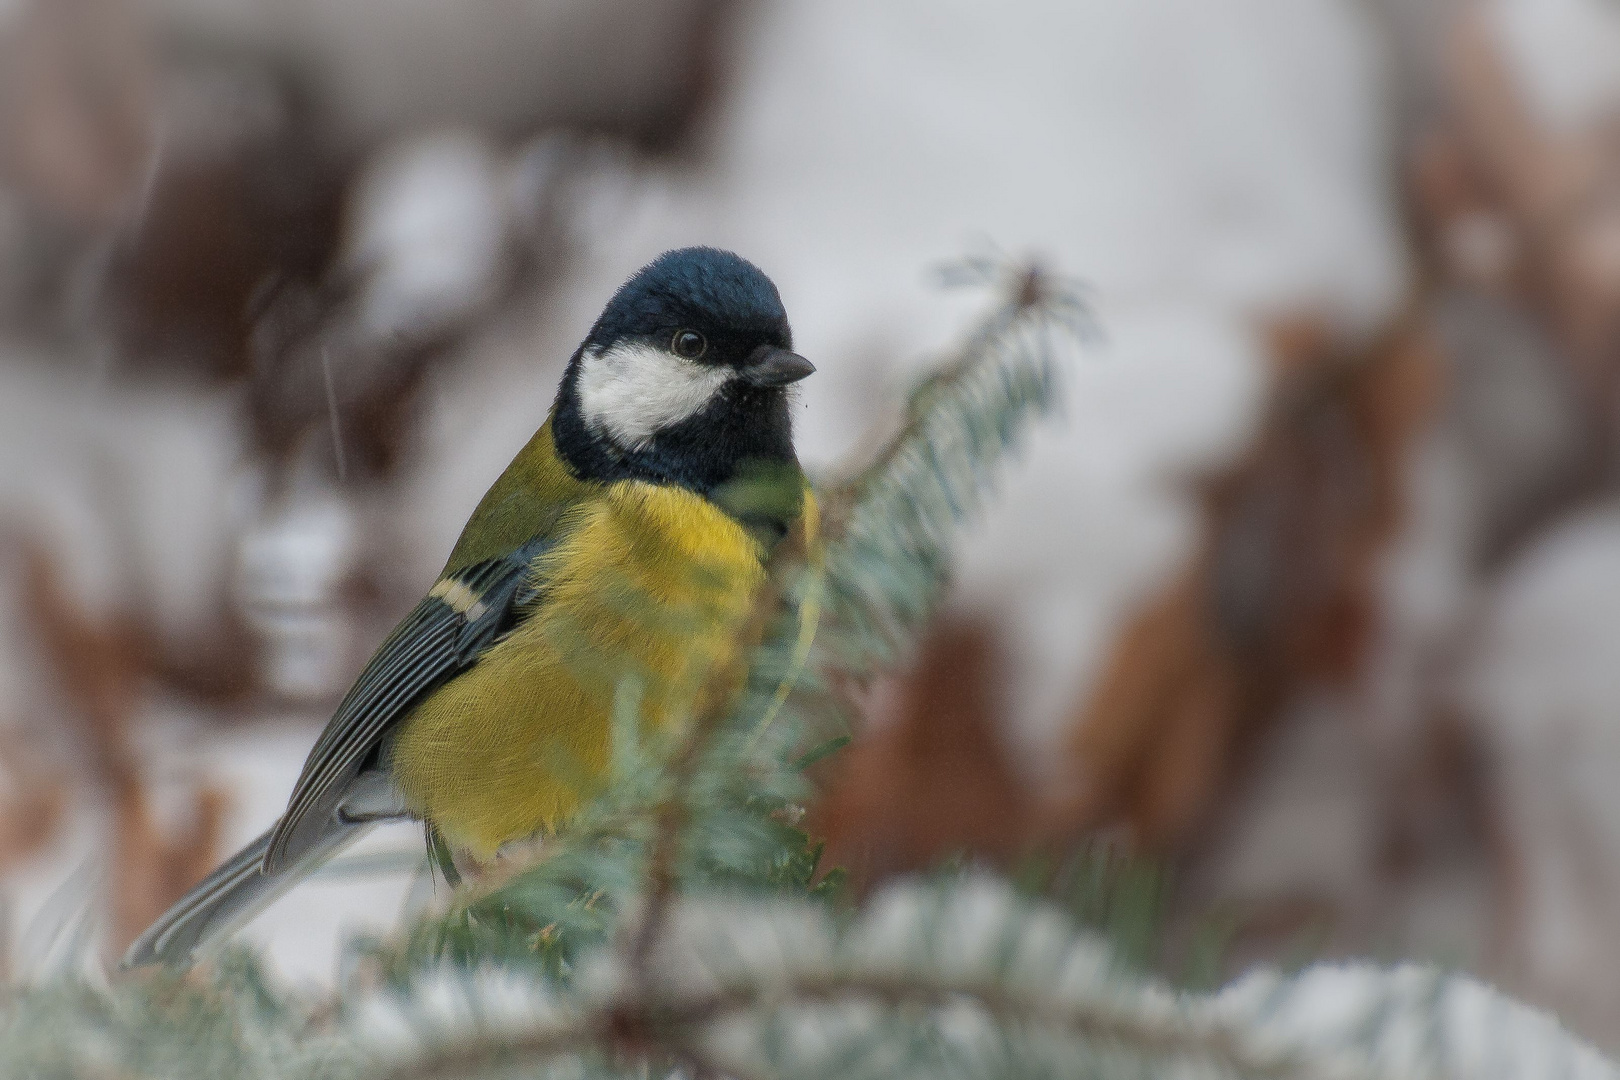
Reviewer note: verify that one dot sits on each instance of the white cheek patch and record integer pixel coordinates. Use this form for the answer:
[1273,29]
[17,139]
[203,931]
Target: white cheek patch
[632,391]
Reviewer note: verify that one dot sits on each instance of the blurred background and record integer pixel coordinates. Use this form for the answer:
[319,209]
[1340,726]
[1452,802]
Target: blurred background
[1312,597]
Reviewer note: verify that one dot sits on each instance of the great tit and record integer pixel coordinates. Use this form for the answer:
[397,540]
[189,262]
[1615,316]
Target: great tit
[623,544]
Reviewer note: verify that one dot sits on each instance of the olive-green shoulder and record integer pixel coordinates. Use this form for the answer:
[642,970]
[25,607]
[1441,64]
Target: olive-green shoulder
[526,502]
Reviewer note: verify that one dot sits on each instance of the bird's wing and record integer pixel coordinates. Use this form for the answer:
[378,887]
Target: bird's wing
[463,615]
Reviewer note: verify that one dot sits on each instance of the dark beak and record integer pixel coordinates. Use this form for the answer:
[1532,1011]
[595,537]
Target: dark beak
[775,367]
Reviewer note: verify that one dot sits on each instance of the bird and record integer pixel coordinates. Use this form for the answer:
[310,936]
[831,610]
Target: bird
[626,540]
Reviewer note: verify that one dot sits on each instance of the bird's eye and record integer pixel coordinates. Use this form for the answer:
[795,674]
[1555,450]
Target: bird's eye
[688,344]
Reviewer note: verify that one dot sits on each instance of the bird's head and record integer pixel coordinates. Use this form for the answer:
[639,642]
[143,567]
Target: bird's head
[685,376]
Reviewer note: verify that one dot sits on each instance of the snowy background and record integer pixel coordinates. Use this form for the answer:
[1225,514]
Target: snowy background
[284,286]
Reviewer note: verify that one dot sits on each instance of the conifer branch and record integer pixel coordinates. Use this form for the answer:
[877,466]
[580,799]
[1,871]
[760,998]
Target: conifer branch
[634,945]
[643,1029]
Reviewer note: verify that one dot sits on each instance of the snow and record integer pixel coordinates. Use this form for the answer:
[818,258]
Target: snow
[1563,53]
[1541,682]
[427,233]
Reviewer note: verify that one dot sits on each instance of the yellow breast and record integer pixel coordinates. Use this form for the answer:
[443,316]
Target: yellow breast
[646,583]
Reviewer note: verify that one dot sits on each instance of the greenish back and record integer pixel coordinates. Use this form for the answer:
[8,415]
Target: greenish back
[526,502]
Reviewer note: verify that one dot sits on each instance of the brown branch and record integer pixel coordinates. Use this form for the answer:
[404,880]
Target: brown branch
[538,1045]
[645,1028]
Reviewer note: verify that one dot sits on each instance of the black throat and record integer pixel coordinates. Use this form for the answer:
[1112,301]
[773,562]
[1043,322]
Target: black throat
[745,428]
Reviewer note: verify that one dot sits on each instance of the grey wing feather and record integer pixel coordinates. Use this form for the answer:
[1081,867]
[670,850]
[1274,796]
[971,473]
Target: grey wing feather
[240,889]
[443,636]
[338,797]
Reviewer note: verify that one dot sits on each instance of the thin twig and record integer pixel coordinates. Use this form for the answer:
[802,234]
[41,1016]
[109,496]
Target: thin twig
[644,1027]
[1029,294]
[332,412]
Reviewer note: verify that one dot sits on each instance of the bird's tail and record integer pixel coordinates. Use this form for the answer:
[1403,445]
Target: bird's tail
[229,897]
